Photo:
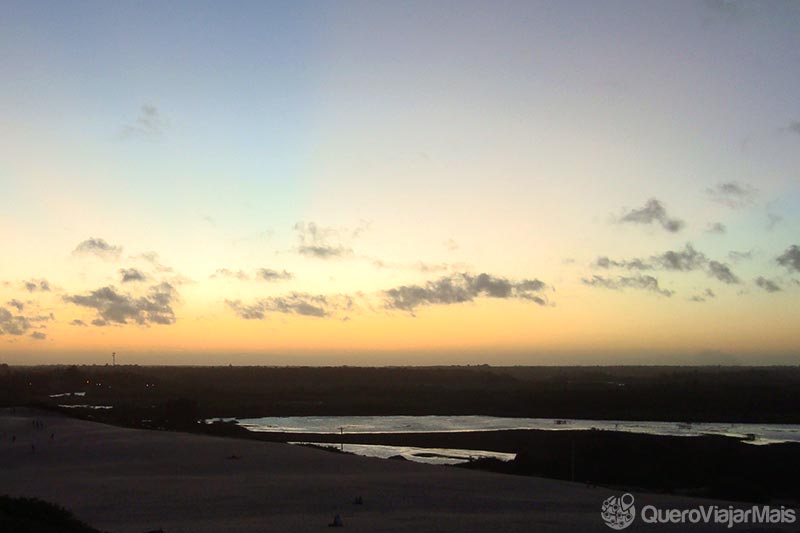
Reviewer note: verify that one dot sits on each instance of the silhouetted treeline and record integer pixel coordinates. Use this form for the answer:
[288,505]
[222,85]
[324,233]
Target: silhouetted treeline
[735,394]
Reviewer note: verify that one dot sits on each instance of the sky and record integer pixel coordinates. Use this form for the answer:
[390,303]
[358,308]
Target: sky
[404,183]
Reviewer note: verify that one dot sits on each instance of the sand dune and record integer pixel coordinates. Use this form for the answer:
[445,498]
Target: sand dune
[126,480]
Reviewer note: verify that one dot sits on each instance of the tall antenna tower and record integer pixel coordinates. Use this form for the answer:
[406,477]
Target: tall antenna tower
[113,358]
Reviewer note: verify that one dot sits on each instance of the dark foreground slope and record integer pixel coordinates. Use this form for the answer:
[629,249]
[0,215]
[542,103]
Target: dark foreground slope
[126,480]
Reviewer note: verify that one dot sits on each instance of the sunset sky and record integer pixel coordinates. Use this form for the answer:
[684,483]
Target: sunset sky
[400,182]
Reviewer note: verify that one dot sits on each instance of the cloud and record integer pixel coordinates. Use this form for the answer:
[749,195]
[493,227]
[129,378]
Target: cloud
[646,283]
[794,126]
[296,303]
[319,242]
[462,288]
[38,336]
[152,258]
[717,228]
[227,273]
[767,284]
[722,272]
[684,260]
[98,247]
[740,256]
[773,220]
[653,211]
[790,258]
[708,293]
[148,125]
[153,308]
[78,322]
[267,274]
[261,274]
[631,264]
[19,306]
[450,245]
[13,324]
[131,274]
[732,194]
[37,285]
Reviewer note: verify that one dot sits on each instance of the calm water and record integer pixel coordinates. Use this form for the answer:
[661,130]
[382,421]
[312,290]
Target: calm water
[763,433]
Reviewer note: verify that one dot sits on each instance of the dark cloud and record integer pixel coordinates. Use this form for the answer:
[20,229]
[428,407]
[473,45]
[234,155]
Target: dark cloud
[717,228]
[99,322]
[790,258]
[37,285]
[767,284]
[98,247]
[319,242]
[722,272]
[267,274]
[653,211]
[462,288]
[131,274]
[630,264]
[19,306]
[682,260]
[13,324]
[112,306]
[732,194]
[38,336]
[296,303]
[646,283]
[148,125]
[78,322]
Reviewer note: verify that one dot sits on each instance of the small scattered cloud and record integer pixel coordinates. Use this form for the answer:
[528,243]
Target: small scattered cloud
[148,125]
[78,322]
[767,284]
[37,285]
[13,324]
[733,194]
[737,256]
[773,220]
[462,288]
[99,247]
[321,243]
[706,295]
[794,126]
[228,273]
[153,259]
[295,303]
[115,307]
[38,336]
[722,272]
[717,228]
[16,304]
[653,212]
[450,245]
[790,258]
[640,282]
[684,260]
[267,274]
[131,275]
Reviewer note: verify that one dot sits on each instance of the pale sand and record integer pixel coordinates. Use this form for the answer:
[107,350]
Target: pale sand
[126,480]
